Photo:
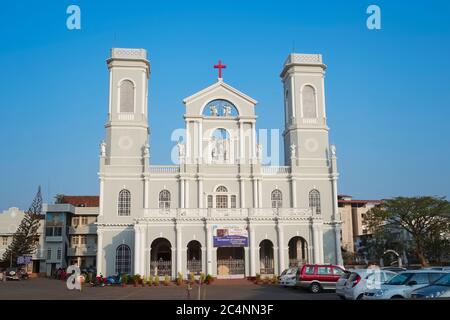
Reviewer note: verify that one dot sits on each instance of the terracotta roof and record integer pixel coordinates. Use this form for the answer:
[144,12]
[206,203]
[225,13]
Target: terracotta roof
[359,201]
[81,201]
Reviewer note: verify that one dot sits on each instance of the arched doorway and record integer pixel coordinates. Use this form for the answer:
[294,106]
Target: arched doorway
[266,264]
[161,257]
[230,262]
[298,251]
[194,257]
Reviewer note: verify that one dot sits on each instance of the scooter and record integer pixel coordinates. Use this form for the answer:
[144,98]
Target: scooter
[98,281]
[114,280]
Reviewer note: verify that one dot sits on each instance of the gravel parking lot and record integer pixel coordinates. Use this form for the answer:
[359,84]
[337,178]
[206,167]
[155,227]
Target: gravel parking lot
[49,289]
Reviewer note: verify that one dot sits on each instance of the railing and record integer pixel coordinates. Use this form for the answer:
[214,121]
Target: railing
[266,266]
[126,116]
[161,267]
[310,121]
[164,169]
[81,251]
[83,229]
[194,266]
[228,212]
[297,262]
[275,169]
[228,267]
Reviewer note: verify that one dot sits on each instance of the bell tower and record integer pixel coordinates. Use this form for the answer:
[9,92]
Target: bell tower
[127,126]
[306,132]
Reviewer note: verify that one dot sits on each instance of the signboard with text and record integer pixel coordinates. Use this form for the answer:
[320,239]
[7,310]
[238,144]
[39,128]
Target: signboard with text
[230,236]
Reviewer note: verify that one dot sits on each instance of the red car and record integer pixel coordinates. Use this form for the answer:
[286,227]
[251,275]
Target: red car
[318,277]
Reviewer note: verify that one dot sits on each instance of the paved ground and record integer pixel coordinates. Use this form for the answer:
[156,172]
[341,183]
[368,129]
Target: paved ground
[42,288]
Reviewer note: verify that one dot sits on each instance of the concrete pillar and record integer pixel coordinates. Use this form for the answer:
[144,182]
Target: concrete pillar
[253,250]
[146,193]
[242,187]
[137,250]
[181,193]
[100,209]
[260,205]
[209,246]
[143,252]
[179,249]
[200,193]
[255,193]
[186,196]
[281,247]
[294,193]
[99,261]
[241,142]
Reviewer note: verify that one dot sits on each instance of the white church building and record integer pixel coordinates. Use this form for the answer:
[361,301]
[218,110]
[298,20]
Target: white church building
[219,210]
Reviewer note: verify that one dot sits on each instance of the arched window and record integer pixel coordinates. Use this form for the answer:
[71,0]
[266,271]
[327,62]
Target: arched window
[276,198]
[123,259]
[314,200]
[221,189]
[309,102]
[126,96]
[124,204]
[164,199]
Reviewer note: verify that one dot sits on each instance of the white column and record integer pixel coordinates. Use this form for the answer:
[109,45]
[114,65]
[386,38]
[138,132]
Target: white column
[242,198]
[100,209]
[200,193]
[293,95]
[320,235]
[209,244]
[188,141]
[179,249]
[280,248]
[146,193]
[137,249]
[241,142]
[181,193]
[186,197]
[316,243]
[143,252]
[100,252]
[253,250]
[200,141]
[260,205]
[294,193]
[255,193]
[253,141]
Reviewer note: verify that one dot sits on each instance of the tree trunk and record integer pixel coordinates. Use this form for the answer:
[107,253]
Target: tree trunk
[420,255]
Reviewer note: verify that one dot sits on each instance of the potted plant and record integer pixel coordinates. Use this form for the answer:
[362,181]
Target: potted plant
[150,280]
[179,279]
[124,280]
[166,280]
[202,278]
[136,279]
[274,279]
[209,279]
[191,278]
[258,278]
[156,281]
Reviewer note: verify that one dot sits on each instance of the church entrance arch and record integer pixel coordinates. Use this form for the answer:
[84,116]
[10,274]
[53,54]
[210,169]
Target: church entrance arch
[161,257]
[230,262]
[298,251]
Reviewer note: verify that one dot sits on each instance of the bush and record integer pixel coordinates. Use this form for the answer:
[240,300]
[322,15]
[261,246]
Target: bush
[275,279]
[156,281]
[137,279]
[192,278]
[209,279]
[166,280]
[179,278]
[150,280]
[202,277]
[124,279]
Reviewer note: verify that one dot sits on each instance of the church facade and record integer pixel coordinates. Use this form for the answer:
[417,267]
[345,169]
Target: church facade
[218,211]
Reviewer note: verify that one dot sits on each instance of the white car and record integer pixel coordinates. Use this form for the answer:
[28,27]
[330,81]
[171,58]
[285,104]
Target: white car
[403,284]
[340,284]
[289,278]
[362,280]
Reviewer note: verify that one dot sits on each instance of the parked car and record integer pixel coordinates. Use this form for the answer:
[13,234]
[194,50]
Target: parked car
[403,284]
[438,289]
[318,277]
[439,268]
[361,280]
[340,284]
[289,278]
[394,269]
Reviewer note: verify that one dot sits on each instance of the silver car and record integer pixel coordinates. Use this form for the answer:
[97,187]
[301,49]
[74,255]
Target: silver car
[402,285]
[439,289]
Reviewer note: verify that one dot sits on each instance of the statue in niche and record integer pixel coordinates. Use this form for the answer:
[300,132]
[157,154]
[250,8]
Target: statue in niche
[103,148]
[293,150]
[226,111]
[181,149]
[146,149]
[259,149]
[218,151]
[333,149]
[213,110]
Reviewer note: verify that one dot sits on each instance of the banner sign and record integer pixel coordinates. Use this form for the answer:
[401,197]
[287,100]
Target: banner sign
[230,236]
[24,259]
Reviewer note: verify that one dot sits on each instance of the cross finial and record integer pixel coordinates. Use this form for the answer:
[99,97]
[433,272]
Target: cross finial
[220,66]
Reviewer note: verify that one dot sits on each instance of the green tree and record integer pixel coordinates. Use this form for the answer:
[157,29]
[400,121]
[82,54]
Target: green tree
[422,218]
[24,239]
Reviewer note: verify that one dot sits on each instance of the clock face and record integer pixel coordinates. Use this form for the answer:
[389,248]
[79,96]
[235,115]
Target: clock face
[125,142]
[311,145]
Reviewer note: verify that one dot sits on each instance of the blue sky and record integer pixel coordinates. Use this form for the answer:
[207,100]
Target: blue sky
[387,91]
